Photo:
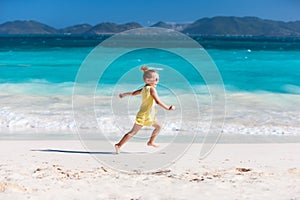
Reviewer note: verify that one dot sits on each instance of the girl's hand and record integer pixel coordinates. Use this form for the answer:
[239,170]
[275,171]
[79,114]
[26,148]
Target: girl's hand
[172,107]
[121,95]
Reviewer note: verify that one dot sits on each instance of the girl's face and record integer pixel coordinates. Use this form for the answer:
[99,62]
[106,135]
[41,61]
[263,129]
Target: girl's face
[153,81]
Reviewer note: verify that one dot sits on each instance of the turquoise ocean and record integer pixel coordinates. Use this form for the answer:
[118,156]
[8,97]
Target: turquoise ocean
[261,78]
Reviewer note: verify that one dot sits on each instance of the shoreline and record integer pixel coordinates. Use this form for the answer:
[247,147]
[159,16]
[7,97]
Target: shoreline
[246,113]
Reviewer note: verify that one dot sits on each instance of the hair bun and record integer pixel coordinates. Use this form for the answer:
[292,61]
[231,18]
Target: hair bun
[144,68]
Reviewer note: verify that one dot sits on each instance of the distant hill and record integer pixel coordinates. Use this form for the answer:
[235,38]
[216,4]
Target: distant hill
[235,26]
[33,27]
[77,29]
[295,26]
[231,26]
[176,27]
[112,28]
[26,27]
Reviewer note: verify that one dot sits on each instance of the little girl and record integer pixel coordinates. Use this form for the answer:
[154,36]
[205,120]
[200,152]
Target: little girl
[146,114]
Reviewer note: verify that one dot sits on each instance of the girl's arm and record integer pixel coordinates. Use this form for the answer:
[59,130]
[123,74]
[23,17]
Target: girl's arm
[158,101]
[130,93]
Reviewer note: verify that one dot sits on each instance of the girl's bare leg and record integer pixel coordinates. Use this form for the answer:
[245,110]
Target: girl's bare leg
[127,136]
[155,132]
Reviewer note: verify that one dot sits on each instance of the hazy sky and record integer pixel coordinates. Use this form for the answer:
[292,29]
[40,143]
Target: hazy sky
[63,13]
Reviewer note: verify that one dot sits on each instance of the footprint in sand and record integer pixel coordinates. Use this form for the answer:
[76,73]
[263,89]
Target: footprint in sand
[294,171]
[4,186]
[241,169]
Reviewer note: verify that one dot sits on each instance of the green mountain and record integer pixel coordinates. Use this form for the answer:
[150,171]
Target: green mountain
[252,26]
[26,27]
[77,29]
[112,28]
[176,27]
[231,26]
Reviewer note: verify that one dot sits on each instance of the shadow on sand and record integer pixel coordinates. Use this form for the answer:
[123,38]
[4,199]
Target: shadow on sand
[85,152]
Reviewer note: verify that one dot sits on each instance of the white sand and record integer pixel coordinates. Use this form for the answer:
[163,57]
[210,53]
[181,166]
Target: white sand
[231,171]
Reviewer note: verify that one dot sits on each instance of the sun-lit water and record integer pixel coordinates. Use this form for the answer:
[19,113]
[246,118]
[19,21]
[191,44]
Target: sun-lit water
[261,78]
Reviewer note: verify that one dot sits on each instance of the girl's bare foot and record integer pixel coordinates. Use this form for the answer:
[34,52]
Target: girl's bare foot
[152,144]
[117,149]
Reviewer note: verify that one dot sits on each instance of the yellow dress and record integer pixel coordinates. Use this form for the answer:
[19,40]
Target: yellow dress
[146,114]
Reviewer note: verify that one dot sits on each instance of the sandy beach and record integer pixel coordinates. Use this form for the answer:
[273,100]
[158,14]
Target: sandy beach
[63,169]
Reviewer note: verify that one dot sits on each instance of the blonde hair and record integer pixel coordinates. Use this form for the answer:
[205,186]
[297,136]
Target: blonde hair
[149,74]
